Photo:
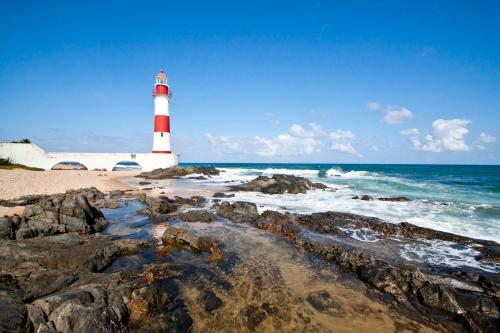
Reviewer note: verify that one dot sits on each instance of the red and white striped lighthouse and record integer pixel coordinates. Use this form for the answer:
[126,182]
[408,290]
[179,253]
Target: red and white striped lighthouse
[161,95]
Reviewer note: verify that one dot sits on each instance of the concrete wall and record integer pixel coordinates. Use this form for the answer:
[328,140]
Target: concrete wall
[34,156]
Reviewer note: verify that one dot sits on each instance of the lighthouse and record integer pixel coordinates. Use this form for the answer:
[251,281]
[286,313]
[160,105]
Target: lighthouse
[161,135]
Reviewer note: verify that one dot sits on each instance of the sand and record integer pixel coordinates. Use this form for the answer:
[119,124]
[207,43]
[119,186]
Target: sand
[16,183]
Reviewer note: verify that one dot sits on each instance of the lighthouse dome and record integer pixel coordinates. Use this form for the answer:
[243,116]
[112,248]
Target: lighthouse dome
[161,77]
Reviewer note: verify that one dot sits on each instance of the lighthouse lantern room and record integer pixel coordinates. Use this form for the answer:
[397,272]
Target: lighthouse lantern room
[161,95]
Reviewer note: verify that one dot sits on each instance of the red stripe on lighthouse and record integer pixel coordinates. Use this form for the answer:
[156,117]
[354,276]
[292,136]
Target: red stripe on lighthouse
[162,124]
[161,89]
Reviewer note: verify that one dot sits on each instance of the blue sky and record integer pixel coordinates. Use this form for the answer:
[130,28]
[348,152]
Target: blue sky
[257,81]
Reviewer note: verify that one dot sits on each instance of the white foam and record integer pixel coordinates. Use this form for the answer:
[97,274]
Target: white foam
[446,253]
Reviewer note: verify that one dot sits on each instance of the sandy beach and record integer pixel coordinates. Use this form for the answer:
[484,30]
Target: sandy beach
[16,183]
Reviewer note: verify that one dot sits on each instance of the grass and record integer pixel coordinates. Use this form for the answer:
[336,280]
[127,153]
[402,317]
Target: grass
[19,166]
[8,164]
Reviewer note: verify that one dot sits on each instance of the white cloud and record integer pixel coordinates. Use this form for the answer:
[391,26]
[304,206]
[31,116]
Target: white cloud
[300,132]
[341,141]
[341,134]
[486,138]
[448,135]
[410,132]
[373,106]
[397,116]
[297,141]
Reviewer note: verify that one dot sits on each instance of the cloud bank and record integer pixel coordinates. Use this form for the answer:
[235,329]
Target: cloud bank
[298,140]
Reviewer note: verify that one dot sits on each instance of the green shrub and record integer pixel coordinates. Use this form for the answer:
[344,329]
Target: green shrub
[6,161]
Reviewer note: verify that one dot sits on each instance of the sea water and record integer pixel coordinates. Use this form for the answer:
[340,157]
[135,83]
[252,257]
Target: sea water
[460,199]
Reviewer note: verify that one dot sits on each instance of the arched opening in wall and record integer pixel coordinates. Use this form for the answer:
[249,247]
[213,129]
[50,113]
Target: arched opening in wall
[69,165]
[127,166]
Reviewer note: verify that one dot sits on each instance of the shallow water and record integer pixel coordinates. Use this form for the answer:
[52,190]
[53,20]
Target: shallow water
[271,281]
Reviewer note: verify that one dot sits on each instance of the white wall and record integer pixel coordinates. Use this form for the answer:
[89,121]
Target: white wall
[34,156]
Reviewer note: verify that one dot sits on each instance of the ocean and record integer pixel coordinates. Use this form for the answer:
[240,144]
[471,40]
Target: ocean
[461,199]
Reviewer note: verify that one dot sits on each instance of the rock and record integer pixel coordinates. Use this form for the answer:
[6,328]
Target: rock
[161,205]
[490,254]
[323,302]
[116,193]
[12,310]
[175,171]
[238,211]
[195,200]
[197,216]
[210,301]
[144,183]
[394,199]
[254,315]
[279,184]
[198,178]
[54,214]
[222,195]
[367,197]
[182,237]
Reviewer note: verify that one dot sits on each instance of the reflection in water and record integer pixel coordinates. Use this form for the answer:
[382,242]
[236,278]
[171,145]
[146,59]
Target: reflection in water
[267,286]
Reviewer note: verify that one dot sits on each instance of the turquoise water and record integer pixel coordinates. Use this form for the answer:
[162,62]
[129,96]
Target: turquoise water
[463,199]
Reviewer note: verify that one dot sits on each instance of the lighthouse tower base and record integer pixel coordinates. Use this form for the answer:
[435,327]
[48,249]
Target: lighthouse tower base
[33,156]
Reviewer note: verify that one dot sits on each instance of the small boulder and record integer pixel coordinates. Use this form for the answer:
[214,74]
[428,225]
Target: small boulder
[238,211]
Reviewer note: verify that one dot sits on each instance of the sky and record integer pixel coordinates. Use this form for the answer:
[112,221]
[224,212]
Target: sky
[257,81]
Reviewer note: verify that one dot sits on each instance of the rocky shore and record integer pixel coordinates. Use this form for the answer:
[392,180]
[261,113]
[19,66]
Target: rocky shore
[59,268]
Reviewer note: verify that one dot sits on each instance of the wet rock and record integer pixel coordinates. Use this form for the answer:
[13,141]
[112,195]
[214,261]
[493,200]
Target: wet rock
[490,254]
[323,302]
[144,183]
[366,197]
[198,178]
[210,301]
[54,214]
[254,315]
[279,184]
[116,193]
[175,171]
[222,195]
[113,204]
[182,237]
[196,201]
[197,216]
[238,211]
[159,306]
[394,199]
[160,205]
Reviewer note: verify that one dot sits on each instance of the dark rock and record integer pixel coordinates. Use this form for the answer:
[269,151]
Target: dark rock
[254,315]
[55,214]
[238,211]
[210,301]
[197,216]
[161,205]
[394,199]
[367,197]
[144,183]
[222,195]
[490,254]
[12,310]
[279,184]
[198,178]
[182,237]
[195,201]
[323,302]
[175,171]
